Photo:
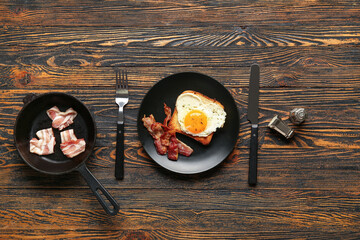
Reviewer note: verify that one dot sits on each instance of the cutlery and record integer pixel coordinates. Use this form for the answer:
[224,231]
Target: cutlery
[253,117]
[122,98]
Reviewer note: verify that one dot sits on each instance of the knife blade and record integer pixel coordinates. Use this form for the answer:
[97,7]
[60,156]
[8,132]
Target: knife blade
[253,117]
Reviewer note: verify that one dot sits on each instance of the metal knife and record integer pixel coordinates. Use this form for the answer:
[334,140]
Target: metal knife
[253,117]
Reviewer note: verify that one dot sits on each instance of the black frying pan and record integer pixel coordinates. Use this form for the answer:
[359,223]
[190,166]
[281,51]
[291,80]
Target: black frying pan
[33,117]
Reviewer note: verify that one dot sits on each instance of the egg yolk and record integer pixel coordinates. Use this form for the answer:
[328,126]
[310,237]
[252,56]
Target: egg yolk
[195,121]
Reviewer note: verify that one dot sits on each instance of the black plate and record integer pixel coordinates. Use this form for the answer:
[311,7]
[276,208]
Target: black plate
[204,157]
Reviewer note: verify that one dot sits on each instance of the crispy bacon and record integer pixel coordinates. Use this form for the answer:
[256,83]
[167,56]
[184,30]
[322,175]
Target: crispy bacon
[148,121]
[165,137]
[161,149]
[167,111]
[156,131]
[173,150]
[45,144]
[60,119]
[184,149]
[165,140]
[154,128]
[70,145]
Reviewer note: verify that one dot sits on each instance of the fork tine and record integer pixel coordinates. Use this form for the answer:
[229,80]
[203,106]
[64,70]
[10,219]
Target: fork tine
[122,79]
[117,78]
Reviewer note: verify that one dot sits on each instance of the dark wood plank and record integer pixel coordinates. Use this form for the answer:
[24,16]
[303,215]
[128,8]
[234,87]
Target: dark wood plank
[140,56]
[73,199]
[177,234]
[182,220]
[295,210]
[34,76]
[209,36]
[278,169]
[190,13]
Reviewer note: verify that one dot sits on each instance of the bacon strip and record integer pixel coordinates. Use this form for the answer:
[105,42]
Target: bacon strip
[165,140]
[173,150]
[70,145]
[167,111]
[161,149]
[60,119]
[156,131]
[184,149]
[45,144]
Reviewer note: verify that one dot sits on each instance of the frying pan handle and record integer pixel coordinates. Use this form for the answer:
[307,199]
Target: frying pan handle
[29,97]
[96,186]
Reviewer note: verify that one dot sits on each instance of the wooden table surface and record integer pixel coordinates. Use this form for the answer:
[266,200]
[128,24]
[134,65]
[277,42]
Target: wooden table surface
[309,55]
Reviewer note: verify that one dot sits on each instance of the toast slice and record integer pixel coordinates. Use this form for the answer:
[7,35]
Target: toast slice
[174,123]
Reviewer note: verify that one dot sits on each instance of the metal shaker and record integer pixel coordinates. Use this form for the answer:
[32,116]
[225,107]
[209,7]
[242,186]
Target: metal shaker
[280,126]
[298,115]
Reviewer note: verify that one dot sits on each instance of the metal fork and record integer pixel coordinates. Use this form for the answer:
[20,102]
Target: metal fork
[122,98]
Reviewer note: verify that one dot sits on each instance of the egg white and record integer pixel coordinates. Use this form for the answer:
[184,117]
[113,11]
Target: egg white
[215,114]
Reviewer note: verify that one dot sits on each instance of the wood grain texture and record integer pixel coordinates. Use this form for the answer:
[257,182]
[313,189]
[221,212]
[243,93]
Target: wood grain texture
[83,56]
[151,13]
[214,36]
[318,169]
[33,77]
[308,187]
[205,200]
[173,234]
[183,220]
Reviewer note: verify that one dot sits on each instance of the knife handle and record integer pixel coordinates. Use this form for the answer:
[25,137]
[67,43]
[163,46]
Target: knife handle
[253,156]
[119,159]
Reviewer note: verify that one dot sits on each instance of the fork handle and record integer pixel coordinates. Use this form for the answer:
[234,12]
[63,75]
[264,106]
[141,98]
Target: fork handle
[119,160]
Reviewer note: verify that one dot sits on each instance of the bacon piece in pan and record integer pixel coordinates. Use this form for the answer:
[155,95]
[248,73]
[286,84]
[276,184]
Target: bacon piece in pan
[70,145]
[45,144]
[60,119]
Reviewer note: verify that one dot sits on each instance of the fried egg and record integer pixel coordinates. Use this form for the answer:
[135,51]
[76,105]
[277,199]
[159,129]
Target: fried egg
[199,116]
